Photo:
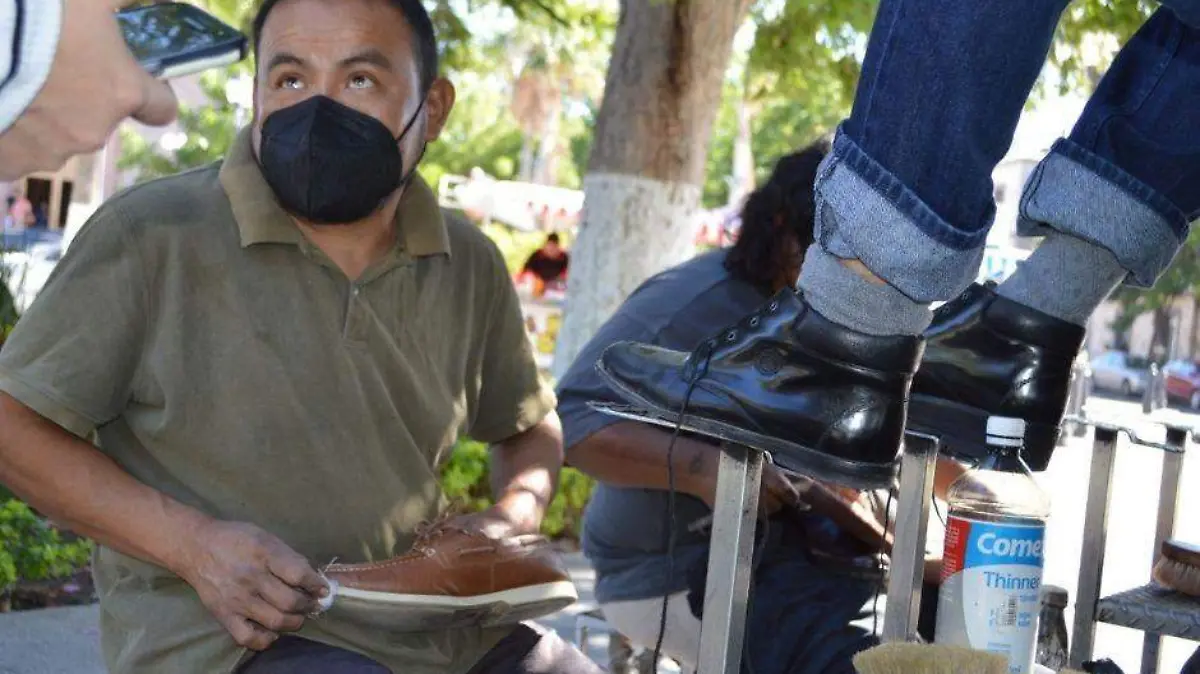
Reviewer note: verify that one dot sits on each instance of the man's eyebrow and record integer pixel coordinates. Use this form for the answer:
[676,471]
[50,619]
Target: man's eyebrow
[284,58]
[370,56]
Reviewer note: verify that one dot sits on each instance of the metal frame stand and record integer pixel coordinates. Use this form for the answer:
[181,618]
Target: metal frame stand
[1095,535]
[735,515]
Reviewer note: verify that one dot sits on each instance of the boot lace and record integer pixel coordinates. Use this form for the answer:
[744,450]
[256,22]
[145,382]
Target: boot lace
[697,363]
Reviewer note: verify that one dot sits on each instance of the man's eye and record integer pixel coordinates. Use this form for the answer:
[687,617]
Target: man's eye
[361,82]
[290,82]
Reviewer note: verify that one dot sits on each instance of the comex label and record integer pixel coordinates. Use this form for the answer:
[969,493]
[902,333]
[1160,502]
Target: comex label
[991,575]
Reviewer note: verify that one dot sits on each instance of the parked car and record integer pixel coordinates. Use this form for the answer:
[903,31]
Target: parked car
[1118,371]
[1183,382]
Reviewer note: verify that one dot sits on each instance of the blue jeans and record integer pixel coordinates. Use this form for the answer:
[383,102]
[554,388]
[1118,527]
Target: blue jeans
[908,187]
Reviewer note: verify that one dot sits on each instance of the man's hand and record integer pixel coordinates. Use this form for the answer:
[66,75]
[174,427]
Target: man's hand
[493,523]
[777,491]
[253,583]
[94,84]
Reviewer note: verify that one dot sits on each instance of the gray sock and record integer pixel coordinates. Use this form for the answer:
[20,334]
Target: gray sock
[846,298]
[1065,277]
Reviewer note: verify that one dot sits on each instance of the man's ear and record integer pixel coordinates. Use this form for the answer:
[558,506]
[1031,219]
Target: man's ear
[438,104]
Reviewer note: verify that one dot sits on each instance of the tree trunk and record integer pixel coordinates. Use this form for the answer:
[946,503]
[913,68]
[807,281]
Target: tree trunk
[743,154]
[545,165]
[1194,346]
[1160,340]
[525,173]
[643,185]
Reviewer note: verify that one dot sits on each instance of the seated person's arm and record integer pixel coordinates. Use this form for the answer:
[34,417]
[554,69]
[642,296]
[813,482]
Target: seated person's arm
[524,475]
[68,368]
[72,482]
[632,454]
[514,414]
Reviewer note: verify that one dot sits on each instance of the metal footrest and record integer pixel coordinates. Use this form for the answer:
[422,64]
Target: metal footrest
[1150,608]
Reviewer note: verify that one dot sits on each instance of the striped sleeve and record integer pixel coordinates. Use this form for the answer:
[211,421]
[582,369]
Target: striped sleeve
[29,31]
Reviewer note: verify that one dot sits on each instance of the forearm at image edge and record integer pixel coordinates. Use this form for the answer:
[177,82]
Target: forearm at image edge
[73,483]
[31,29]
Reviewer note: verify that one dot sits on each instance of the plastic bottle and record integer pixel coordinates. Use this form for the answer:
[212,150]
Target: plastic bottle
[1052,648]
[992,568]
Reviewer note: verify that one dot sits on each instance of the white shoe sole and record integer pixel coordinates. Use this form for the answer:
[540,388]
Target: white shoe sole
[415,612]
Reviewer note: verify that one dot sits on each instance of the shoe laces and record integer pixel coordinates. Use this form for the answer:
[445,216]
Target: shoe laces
[697,365]
[954,305]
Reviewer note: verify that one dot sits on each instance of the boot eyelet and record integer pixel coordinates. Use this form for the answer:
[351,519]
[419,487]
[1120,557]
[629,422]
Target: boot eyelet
[773,306]
[732,336]
[754,322]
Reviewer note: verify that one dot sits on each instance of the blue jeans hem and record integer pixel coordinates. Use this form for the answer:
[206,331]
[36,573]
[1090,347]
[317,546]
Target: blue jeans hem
[1076,192]
[890,229]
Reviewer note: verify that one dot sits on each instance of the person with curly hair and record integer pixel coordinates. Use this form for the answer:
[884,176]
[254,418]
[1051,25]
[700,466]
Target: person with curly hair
[644,559]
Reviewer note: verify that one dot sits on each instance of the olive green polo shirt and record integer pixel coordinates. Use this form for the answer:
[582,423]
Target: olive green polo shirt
[224,360]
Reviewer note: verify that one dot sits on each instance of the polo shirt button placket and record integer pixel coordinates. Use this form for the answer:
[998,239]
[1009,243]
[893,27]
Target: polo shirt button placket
[353,327]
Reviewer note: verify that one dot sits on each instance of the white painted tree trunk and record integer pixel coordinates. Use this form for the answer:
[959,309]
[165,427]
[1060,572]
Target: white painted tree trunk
[631,228]
[649,150]
[743,154]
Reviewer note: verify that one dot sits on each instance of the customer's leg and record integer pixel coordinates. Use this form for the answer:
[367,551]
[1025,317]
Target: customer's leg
[639,621]
[908,189]
[903,205]
[1118,194]
[532,649]
[1187,10]
[293,655]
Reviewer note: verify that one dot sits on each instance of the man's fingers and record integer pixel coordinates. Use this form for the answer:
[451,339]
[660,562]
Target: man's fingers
[779,484]
[248,634]
[159,105]
[294,570]
[286,598]
[274,620]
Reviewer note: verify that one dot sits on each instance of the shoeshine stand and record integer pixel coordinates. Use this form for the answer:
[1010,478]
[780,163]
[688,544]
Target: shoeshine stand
[735,515]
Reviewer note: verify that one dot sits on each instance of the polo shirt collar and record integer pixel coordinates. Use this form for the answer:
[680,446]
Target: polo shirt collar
[260,218]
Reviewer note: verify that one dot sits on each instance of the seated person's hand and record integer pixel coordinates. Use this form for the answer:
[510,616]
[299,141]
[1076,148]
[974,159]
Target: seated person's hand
[252,582]
[491,523]
[778,491]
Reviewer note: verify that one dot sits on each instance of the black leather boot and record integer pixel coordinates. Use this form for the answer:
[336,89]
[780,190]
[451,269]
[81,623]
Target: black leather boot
[987,355]
[821,399]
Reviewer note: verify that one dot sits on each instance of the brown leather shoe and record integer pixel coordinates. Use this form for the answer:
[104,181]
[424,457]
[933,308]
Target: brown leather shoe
[452,578]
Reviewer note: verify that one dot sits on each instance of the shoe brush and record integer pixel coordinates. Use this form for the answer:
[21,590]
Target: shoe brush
[911,658]
[1178,567]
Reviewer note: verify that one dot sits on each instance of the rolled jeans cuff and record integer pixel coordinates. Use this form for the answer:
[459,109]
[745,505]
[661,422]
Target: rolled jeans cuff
[865,213]
[1075,192]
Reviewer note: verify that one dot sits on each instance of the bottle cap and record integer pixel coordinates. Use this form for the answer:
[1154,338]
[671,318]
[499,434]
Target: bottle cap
[1005,431]
[1053,595]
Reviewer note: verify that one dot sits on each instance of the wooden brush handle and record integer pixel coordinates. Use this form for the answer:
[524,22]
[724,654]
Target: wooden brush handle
[1182,552]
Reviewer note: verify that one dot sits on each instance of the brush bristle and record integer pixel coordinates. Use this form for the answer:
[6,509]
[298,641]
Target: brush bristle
[1177,576]
[905,658]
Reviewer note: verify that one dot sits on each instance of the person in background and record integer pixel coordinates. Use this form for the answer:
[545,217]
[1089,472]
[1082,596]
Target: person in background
[547,265]
[21,210]
[624,534]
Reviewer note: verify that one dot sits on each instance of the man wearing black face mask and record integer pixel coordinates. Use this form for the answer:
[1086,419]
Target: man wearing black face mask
[276,354]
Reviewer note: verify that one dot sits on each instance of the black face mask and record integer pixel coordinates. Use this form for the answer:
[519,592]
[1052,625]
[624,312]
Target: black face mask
[331,164]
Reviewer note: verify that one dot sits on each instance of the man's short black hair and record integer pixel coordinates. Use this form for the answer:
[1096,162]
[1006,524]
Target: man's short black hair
[553,238]
[425,50]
